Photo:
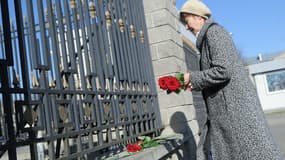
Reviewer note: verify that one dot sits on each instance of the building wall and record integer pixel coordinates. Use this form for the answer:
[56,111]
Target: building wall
[269,100]
[271,92]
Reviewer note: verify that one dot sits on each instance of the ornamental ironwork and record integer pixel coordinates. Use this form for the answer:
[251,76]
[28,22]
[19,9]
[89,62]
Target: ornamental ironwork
[76,81]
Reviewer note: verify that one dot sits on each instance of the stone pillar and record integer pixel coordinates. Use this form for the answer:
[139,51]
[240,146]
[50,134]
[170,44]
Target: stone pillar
[177,111]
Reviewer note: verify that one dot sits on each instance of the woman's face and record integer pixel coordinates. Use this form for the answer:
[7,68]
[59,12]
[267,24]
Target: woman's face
[193,23]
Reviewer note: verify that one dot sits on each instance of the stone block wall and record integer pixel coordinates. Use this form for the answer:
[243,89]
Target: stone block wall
[182,113]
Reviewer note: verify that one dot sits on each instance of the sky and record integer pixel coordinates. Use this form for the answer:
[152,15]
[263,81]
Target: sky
[257,26]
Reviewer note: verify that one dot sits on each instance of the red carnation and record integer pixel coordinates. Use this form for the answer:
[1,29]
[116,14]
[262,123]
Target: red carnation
[173,84]
[131,147]
[162,82]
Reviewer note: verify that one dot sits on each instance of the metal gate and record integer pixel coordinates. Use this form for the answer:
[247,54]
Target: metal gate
[76,78]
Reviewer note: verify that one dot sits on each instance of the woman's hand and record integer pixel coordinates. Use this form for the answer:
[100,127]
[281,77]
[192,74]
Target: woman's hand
[186,78]
[187,84]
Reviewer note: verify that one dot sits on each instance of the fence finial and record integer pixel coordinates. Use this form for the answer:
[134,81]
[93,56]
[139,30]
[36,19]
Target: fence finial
[121,24]
[35,82]
[133,32]
[72,4]
[108,18]
[65,83]
[142,36]
[88,84]
[51,82]
[92,9]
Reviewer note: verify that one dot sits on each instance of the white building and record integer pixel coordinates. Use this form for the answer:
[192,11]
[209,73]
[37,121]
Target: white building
[268,74]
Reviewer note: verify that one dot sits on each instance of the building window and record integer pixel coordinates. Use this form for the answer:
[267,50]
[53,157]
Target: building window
[276,81]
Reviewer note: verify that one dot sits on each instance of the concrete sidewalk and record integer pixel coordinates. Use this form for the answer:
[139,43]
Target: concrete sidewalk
[276,121]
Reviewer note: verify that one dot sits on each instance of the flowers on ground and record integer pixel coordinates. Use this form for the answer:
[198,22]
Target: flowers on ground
[132,147]
[147,142]
[172,83]
[143,142]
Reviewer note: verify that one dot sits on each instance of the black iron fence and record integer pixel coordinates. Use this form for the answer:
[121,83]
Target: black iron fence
[76,78]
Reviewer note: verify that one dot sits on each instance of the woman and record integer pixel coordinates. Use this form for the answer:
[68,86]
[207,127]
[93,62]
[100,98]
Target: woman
[237,126]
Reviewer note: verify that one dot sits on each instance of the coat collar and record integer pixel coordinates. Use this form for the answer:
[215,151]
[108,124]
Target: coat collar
[202,32]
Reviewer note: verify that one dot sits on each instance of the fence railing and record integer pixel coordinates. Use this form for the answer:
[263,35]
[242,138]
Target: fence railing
[76,77]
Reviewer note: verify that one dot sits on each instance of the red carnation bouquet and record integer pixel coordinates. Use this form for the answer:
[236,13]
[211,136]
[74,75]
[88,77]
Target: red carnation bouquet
[172,83]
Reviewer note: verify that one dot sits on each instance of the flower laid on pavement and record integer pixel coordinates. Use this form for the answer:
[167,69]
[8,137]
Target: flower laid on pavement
[132,147]
[147,142]
[143,143]
[172,83]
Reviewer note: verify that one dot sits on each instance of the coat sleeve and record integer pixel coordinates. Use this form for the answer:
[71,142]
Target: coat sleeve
[221,50]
